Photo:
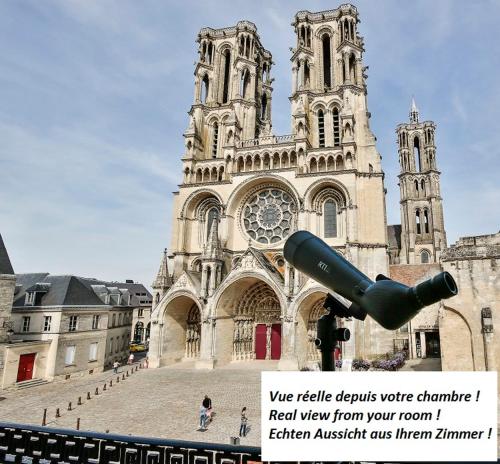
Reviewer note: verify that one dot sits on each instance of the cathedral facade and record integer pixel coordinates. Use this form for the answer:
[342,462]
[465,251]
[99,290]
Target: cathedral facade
[224,292]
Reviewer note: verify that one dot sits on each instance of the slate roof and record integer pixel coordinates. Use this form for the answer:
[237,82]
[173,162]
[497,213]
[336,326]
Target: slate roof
[69,290]
[5,265]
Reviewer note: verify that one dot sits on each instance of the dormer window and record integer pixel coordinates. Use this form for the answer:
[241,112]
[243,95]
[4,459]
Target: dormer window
[34,298]
[35,294]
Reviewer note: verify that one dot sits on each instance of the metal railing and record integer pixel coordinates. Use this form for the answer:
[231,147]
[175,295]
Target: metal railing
[20,443]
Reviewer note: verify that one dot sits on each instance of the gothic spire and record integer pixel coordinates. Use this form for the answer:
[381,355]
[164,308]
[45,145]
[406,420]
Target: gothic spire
[413,111]
[212,247]
[163,279]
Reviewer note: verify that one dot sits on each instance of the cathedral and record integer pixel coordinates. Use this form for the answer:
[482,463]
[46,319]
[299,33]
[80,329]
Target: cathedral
[224,293]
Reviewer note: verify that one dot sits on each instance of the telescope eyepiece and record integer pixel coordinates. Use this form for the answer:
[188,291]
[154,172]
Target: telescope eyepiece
[439,287]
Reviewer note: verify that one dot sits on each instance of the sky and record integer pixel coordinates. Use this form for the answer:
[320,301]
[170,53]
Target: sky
[94,96]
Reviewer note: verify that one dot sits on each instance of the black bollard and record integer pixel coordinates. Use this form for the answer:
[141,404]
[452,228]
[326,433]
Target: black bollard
[88,395]
[111,383]
[57,413]
[78,423]
[79,401]
[104,388]
[96,390]
[44,420]
[69,406]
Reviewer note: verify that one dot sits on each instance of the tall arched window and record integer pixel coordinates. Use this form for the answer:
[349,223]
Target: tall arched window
[204,89]
[215,140]
[321,128]
[212,215]
[416,152]
[425,257]
[330,218]
[417,219]
[307,75]
[327,61]
[352,69]
[263,106]
[336,128]
[245,80]
[426,221]
[225,86]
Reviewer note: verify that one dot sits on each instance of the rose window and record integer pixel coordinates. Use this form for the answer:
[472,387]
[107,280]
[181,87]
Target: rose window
[268,215]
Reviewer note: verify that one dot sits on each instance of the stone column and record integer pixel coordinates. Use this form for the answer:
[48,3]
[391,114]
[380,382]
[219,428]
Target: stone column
[301,75]
[252,86]
[422,344]
[359,72]
[294,79]
[206,360]
[288,360]
[203,285]
[197,90]
[296,279]
[287,278]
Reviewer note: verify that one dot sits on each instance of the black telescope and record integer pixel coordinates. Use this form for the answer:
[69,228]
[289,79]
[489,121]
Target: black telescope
[390,303]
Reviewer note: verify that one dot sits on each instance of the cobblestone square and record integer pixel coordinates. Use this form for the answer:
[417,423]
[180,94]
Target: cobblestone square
[160,403]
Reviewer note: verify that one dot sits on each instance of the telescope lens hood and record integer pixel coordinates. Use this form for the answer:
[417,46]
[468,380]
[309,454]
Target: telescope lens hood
[439,287]
[293,243]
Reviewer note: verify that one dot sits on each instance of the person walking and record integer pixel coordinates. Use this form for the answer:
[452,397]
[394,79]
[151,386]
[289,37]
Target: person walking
[131,358]
[207,404]
[116,364]
[203,418]
[244,421]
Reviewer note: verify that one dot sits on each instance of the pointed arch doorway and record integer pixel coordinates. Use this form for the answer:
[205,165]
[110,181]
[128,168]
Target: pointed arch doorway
[257,324]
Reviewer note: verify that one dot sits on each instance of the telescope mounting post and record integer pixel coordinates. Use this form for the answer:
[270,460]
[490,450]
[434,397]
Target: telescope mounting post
[327,332]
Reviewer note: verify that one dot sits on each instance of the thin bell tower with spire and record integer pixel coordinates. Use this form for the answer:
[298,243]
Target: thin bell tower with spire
[423,236]
[163,280]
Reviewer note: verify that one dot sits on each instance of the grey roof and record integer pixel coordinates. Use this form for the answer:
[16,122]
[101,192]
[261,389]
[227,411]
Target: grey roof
[5,265]
[69,290]
[394,236]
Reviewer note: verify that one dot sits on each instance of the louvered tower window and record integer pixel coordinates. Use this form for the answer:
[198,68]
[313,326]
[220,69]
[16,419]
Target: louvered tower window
[321,128]
[336,128]
[330,215]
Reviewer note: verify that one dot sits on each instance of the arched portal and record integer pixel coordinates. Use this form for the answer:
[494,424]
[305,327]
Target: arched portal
[193,333]
[138,332]
[309,311]
[180,333]
[249,309]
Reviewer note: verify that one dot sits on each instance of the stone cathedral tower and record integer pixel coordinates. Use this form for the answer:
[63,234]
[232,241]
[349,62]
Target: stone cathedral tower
[245,190]
[423,236]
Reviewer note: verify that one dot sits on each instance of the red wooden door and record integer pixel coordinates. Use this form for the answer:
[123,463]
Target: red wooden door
[26,364]
[260,341]
[276,341]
